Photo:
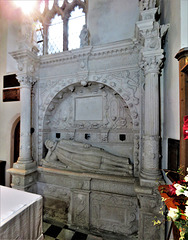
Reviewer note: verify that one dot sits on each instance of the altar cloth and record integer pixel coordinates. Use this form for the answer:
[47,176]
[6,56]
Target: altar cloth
[20,215]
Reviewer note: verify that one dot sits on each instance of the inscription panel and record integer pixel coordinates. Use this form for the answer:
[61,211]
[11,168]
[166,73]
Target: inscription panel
[89,108]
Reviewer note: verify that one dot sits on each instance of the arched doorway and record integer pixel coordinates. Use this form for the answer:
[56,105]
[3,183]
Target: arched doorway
[16,142]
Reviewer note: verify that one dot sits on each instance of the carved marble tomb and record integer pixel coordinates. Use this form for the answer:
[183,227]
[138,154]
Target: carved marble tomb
[95,146]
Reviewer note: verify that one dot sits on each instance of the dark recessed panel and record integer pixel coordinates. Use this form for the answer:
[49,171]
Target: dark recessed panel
[10,95]
[10,81]
[173,154]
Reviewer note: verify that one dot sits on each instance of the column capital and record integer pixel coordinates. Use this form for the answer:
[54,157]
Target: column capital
[26,81]
[152,62]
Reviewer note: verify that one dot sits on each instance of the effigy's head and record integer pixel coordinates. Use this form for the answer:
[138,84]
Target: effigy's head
[49,144]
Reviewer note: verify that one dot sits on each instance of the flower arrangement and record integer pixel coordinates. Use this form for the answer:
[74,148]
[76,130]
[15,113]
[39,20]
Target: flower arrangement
[175,197]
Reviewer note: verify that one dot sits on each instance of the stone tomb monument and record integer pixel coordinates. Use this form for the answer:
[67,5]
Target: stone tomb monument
[88,160]
[95,147]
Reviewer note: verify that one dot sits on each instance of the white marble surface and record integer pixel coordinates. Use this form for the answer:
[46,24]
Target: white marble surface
[13,201]
[20,214]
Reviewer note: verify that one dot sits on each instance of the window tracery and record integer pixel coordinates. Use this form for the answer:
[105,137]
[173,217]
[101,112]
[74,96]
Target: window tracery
[59,25]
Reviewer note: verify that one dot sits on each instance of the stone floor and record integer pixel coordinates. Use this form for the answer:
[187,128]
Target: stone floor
[52,232]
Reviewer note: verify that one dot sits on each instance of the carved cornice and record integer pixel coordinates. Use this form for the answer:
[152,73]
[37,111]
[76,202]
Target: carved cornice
[127,46]
[28,65]
[149,32]
[104,51]
[23,54]
[65,57]
[149,35]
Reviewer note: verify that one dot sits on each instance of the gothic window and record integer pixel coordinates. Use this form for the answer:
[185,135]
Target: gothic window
[75,25]
[55,35]
[59,25]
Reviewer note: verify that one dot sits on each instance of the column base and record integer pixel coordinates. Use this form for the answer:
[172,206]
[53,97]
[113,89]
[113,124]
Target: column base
[25,165]
[24,176]
[150,179]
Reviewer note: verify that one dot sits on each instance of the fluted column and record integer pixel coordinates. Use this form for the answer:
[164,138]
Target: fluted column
[150,165]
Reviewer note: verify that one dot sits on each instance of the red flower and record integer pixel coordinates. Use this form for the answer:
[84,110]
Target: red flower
[172,190]
[180,182]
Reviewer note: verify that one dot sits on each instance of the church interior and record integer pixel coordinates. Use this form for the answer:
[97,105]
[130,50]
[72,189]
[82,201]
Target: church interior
[93,115]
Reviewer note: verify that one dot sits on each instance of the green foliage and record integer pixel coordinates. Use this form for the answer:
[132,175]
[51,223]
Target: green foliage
[183,226]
